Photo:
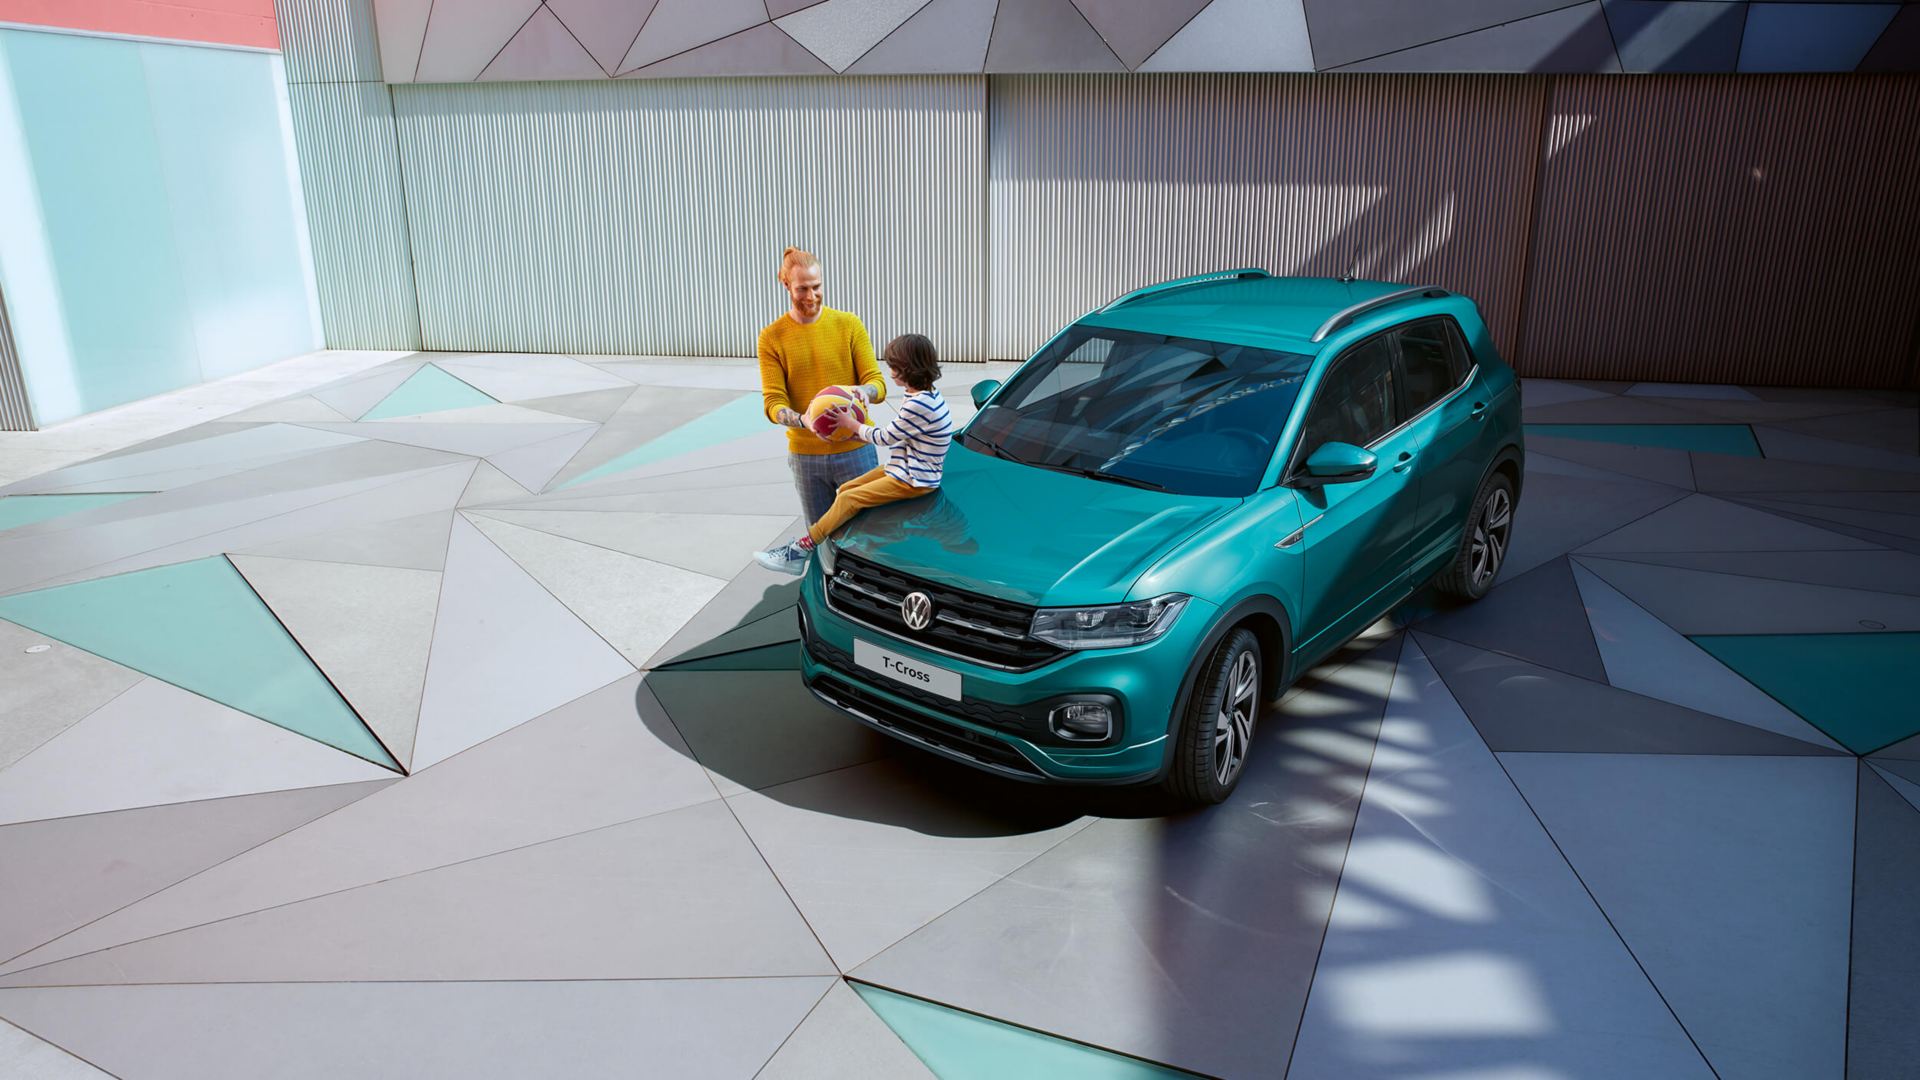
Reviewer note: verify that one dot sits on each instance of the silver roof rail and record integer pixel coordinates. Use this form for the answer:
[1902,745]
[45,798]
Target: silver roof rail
[1348,314]
[1177,283]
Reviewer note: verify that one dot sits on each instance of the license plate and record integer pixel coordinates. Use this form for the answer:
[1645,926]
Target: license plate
[902,669]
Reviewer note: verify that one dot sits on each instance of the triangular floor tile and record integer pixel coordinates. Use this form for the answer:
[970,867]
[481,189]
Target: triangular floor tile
[1907,789]
[1731,439]
[635,604]
[199,626]
[1646,656]
[1893,766]
[533,467]
[869,854]
[523,376]
[1456,917]
[1730,879]
[490,485]
[354,396]
[738,418]
[965,1046]
[1884,995]
[594,405]
[157,744]
[1904,750]
[711,544]
[1704,523]
[664,1027]
[1722,473]
[39,1059]
[782,657]
[415,543]
[753,594]
[779,628]
[1858,688]
[471,440]
[1559,513]
[673,896]
[842,1039]
[504,651]
[1519,706]
[427,390]
[1699,602]
[1877,571]
[729,723]
[1536,616]
[44,693]
[1658,464]
[1906,526]
[18,510]
[369,628]
[591,763]
[69,871]
[291,410]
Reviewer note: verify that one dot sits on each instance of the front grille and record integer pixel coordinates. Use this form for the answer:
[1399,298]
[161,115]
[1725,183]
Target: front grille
[982,750]
[979,712]
[967,625]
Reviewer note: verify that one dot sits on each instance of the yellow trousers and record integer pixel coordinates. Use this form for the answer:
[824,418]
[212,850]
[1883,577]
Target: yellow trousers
[873,488]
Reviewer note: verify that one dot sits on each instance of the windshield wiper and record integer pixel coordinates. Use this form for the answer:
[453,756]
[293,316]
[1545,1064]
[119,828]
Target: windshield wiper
[995,449]
[1096,474]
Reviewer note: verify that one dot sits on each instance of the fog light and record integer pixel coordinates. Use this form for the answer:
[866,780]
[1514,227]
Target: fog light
[1082,720]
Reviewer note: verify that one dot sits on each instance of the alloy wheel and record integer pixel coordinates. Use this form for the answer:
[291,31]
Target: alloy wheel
[1233,726]
[1490,535]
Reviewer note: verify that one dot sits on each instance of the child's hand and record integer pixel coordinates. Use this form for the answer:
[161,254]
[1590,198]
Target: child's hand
[844,419]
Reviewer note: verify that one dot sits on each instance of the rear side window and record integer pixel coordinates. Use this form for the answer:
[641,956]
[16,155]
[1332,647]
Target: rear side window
[1434,361]
[1356,400]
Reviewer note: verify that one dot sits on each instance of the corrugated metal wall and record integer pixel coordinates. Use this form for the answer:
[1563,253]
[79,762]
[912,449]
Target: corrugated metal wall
[649,216]
[15,412]
[328,40]
[1726,229]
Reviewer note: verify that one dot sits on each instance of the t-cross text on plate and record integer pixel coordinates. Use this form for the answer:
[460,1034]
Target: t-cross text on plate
[1179,503]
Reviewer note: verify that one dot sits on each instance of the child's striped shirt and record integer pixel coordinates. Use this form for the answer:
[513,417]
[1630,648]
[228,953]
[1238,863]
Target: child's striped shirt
[919,436]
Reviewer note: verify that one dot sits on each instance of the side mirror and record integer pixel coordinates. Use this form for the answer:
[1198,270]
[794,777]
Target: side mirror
[1339,463]
[983,390]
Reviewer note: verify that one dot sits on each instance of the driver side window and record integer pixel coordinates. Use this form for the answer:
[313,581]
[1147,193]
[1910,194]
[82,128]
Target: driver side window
[1356,403]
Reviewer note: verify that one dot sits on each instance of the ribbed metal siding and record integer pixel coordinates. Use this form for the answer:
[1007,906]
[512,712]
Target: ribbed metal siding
[1104,183]
[649,216]
[1757,230]
[16,414]
[356,214]
[328,40]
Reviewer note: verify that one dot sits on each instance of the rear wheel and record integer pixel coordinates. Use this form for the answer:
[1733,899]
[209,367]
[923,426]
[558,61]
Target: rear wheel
[1483,544]
[1216,734]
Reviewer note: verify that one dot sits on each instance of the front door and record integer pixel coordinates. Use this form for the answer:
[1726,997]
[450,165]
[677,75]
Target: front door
[1441,389]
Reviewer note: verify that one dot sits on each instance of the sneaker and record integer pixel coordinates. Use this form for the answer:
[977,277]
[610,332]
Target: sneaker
[788,558]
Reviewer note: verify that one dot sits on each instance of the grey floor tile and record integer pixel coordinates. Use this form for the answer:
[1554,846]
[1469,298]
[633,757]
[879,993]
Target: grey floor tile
[715,545]
[841,1039]
[219,455]
[1646,656]
[67,872]
[872,853]
[1879,521]
[159,744]
[1614,410]
[1882,1040]
[634,604]
[1897,430]
[1905,750]
[1537,393]
[779,628]
[595,405]
[1697,602]
[1559,513]
[1895,541]
[490,485]
[522,377]
[1537,616]
[679,895]
[586,765]
[1730,879]
[1782,444]
[1880,502]
[649,412]
[504,651]
[353,397]
[368,629]
[1187,939]
[1657,464]
[755,729]
[1704,523]
[1517,706]
[1765,411]
[416,542]
[1724,473]
[44,693]
[1460,941]
[774,497]
[1906,770]
[533,467]
[26,1056]
[473,440]
[753,594]
[764,470]
[442,1030]
[291,410]
[1685,391]
[1897,779]
[1877,571]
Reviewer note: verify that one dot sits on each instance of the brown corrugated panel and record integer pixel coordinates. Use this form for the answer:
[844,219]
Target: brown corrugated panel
[1100,184]
[1751,229]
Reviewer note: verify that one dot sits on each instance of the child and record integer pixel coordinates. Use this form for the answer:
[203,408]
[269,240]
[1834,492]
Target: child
[919,437]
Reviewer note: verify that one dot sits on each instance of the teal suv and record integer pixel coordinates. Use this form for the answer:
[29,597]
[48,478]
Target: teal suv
[1178,504]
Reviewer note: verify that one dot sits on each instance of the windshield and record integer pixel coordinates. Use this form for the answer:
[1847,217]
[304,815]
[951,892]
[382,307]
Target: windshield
[1190,417]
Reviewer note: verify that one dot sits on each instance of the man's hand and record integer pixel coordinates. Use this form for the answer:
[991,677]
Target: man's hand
[788,418]
[862,392]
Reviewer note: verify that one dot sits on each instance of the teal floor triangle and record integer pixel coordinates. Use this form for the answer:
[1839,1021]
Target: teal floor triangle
[428,390]
[736,419]
[201,627]
[18,510]
[1858,688]
[958,1045]
[1734,439]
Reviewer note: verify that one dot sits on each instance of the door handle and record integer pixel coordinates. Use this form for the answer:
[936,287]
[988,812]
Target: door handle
[1405,462]
[1479,410]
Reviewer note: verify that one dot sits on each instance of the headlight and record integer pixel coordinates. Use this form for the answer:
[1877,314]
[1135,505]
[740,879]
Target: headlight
[1109,626]
[824,552]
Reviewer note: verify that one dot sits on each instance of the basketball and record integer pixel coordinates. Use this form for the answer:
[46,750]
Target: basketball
[830,398]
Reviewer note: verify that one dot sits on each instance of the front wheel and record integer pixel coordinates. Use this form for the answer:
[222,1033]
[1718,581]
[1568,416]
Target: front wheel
[1484,542]
[1216,734]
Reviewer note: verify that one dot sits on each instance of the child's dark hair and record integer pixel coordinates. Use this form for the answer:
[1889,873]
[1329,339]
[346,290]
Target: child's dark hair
[913,357]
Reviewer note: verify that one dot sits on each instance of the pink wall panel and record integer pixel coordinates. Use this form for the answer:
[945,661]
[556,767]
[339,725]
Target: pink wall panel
[220,22]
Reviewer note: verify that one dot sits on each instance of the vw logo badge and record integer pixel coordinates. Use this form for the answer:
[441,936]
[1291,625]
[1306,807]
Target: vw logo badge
[917,610]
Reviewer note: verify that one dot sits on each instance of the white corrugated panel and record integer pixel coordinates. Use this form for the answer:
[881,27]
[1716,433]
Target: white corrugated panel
[356,214]
[16,414]
[328,40]
[648,216]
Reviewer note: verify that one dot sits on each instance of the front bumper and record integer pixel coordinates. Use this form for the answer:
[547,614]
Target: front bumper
[992,727]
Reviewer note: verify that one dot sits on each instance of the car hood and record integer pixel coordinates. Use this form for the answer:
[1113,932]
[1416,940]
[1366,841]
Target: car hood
[1026,534]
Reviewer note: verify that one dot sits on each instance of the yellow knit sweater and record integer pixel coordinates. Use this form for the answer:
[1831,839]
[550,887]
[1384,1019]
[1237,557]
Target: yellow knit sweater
[798,361]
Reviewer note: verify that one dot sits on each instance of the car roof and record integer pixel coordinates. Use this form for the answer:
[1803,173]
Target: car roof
[1280,313]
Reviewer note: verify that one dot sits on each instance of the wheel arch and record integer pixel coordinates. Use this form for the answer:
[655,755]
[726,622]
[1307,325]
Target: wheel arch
[1267,617]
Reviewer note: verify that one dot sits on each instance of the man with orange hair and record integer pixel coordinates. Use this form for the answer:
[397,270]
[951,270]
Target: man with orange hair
[807,349]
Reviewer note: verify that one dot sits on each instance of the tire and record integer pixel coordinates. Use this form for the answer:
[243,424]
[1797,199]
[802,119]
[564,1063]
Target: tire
[1484,542]
[1228,688]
